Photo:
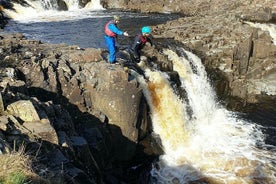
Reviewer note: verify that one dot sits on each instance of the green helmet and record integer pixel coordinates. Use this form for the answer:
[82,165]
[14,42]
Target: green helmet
[146,30]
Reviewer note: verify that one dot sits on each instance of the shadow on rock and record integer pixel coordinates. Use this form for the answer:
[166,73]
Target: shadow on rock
[88,149]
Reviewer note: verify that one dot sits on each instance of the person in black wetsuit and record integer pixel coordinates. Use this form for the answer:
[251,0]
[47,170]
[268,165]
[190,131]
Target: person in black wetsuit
[140,41]
[134,50]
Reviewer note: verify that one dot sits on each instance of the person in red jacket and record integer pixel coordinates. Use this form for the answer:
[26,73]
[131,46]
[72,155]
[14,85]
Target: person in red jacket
[140,41]
[111,32]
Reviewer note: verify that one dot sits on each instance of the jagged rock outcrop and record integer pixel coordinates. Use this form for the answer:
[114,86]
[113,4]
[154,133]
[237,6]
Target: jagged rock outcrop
[193,8]
[83,110]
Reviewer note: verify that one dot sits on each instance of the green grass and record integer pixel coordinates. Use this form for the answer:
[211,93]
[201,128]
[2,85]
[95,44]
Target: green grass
[15,168]
[15,178]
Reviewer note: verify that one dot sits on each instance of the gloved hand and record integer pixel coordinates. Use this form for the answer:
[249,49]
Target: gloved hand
[125,34]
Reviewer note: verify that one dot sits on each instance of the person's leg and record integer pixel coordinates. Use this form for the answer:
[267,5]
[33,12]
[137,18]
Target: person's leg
[110,42]
[138,56]
[107,42]
[112,51]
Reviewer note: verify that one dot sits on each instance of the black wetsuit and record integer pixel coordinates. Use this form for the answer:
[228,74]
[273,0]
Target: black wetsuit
[138,44]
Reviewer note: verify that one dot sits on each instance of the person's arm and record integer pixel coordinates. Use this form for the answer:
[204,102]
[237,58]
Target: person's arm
[115,29]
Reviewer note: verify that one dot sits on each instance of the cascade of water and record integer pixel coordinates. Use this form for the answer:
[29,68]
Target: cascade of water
[24,11]
[47,10]
[72,4]
[94,5]
[49,4]
[271,28]
[215,146]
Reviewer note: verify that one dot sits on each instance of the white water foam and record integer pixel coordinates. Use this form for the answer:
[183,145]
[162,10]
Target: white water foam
[214,146]
[94,5]
[46,11]
[271,28]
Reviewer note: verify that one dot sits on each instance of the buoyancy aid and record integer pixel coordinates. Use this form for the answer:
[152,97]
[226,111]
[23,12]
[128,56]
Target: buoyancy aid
[143,39]
[107,31]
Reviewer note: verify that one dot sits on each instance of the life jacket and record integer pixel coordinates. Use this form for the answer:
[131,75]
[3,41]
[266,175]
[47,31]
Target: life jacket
[143,39]
[107,31]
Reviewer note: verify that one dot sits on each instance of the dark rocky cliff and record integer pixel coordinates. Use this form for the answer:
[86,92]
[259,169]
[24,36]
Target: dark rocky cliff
[86,115]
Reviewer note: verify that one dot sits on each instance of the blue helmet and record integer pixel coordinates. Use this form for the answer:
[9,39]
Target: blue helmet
[146,30]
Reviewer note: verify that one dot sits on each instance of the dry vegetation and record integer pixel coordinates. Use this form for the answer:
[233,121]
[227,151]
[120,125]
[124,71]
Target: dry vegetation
[15,168]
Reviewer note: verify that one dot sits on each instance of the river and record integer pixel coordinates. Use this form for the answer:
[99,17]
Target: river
[82,27]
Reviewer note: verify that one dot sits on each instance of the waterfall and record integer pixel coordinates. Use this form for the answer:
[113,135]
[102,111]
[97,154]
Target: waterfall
[49,4]
[47,10]
[72,4]
[271,28]
[96,5]
[214,146]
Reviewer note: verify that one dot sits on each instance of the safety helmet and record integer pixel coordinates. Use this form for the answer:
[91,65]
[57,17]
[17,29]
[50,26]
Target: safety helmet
[116,18]
[146,30]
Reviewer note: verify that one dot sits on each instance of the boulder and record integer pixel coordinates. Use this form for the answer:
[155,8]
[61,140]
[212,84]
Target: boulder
[42,129]
[24,109]
[117,97]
